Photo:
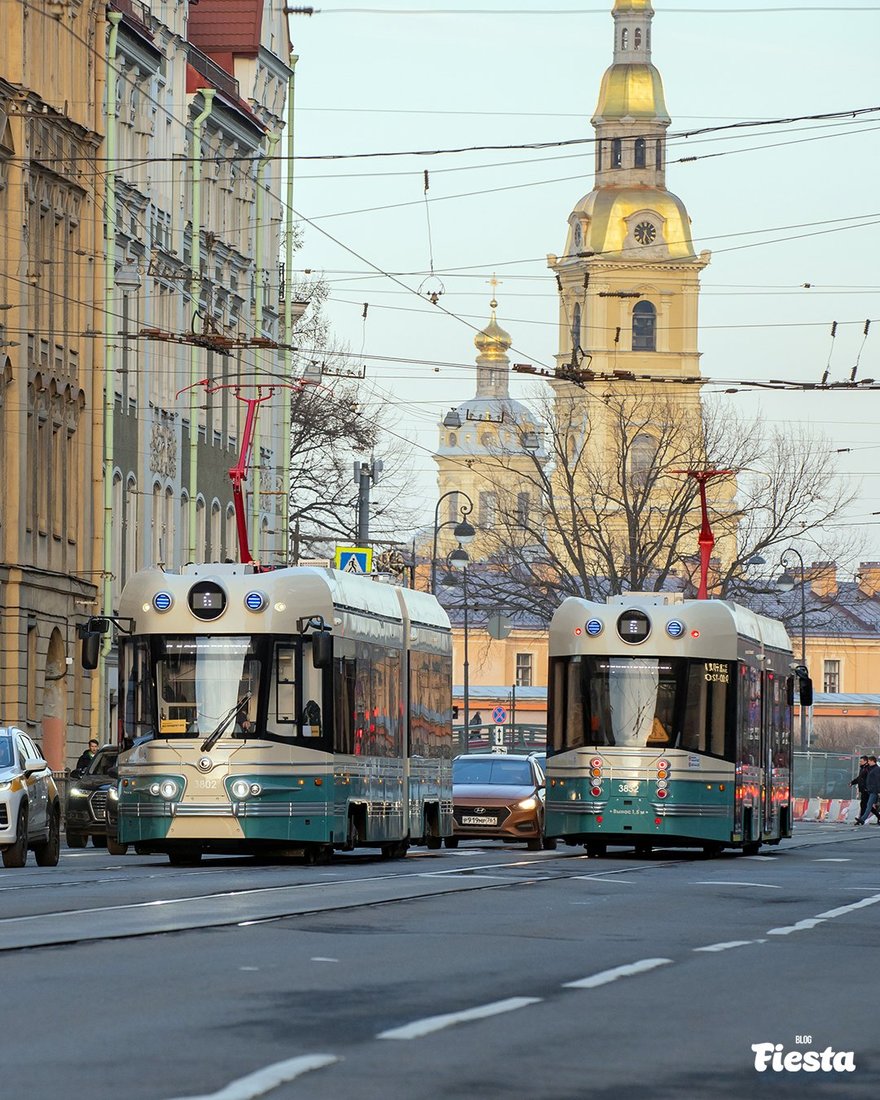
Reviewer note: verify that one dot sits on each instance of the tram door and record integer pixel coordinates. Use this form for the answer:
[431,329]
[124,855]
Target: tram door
[768,739]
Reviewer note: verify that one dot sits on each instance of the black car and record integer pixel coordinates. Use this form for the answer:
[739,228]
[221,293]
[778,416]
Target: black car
[85,807]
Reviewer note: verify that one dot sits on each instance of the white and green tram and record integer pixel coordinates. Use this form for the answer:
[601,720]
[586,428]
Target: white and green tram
[669,725]
[301,709]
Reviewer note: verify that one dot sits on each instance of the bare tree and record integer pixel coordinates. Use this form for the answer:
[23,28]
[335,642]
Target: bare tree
[618,512]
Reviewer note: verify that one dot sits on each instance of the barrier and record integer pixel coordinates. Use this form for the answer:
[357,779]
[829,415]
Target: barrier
[838,811]
[813,810]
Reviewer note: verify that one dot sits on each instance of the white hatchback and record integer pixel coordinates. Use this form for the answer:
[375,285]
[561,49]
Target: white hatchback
[30,809]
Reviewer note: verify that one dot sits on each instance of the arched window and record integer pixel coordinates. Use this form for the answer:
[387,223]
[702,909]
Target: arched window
[644,327]
[183,531]
[658,155]
[156,525]
[200,529]
[616,153]
[639,158]
[168,549]
[118,560]
[130,528]
[576,328]
[642,453]
[231,534]
[453,439]
[637,38]
[624,39]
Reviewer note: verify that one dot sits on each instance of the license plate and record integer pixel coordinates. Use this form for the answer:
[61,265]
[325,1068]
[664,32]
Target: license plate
[472,819]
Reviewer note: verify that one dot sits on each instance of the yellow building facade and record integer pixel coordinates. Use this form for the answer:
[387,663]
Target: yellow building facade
[51,274]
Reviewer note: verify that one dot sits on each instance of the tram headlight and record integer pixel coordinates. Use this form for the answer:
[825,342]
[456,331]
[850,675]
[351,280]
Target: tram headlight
[240,788]
[166,788]
[661,784]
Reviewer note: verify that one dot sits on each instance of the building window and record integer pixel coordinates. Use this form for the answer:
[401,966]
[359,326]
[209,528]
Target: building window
[488,507]
[643,454]
[658,155]
[523,670]
[831,677]
[616,153]
[624,39]
[644,327]
[575,329]
[637,38]
[599,155]
[523,501]
[639,159]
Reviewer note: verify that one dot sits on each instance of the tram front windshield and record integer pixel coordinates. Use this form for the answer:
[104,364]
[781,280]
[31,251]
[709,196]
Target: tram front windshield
[200,682]
[635,702]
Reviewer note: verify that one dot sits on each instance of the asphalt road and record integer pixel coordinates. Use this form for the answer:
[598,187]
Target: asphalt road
[477,973]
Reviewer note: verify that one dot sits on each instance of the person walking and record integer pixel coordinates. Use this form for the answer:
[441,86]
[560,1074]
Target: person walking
[859,783]
[872,786]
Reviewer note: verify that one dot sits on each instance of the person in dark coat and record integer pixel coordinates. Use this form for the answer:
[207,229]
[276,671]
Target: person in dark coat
[859,783]
[872,785]
[88,756]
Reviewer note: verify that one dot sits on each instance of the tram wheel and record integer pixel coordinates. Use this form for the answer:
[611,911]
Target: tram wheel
[643,849]
[318,854]
[712,850]
[595,848]
[752,848]
[114,848]
[395,851]
[434,842]
[451,841]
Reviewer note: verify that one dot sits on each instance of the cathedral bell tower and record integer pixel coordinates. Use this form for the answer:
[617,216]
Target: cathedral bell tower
[628,280]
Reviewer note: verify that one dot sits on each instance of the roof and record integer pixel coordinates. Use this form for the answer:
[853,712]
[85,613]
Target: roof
[226,26]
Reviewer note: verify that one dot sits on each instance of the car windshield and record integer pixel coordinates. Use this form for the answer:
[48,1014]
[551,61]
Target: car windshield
[6,755]
[102,764]
[500,772]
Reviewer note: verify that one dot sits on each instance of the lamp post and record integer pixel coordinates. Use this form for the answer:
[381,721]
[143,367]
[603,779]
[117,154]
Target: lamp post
[785,583]
[459,560]
[464,531]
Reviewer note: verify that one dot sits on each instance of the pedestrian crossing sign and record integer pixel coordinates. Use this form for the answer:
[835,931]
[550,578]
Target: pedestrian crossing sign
[354,559]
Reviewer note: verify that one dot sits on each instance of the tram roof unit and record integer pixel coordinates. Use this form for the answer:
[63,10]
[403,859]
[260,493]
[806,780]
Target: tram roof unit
[300,591]
[708,628]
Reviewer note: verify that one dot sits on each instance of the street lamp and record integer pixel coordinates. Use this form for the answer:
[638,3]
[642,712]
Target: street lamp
[785,583]
[463,531]
[459,560]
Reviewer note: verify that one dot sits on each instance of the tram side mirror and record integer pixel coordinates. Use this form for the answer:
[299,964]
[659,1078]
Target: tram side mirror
[322,649]
[91,632]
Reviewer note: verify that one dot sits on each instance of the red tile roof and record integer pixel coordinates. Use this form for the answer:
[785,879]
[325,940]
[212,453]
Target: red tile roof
[226,26]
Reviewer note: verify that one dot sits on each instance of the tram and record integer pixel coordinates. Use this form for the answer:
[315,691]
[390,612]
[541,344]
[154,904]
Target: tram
[669,725]
[302,709]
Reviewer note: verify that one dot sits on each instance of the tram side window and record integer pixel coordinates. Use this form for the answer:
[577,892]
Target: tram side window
[706,707]
[430,713]
[345,668]
[568,719]
[285,684]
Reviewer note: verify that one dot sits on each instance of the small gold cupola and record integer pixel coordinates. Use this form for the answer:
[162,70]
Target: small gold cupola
[492,342]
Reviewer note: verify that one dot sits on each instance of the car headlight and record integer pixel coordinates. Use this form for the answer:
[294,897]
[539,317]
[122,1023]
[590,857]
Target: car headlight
[6,785]
[113,792]
[528,804]
[77,792]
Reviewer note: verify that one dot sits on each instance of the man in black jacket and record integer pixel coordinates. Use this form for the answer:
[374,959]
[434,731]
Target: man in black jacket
[872,786]
[859,783]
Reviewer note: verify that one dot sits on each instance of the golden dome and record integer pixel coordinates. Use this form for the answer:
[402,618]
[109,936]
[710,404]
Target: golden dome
[608,208]
[632,5]
[492,342]
[631,91]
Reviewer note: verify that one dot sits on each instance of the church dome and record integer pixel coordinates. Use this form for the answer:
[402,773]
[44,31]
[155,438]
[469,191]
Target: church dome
[632,5]
[631,91]
[607,210]
[493,342]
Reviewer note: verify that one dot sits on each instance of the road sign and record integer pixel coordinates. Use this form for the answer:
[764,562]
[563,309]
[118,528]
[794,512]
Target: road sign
[354,559]
[499,714]
[498,626]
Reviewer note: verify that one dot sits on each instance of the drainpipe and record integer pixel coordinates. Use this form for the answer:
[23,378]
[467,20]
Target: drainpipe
[259,302]
[195,288]
[114,18]
[287,339]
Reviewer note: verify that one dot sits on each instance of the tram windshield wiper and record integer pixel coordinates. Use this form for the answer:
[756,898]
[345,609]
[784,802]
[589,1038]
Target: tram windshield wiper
[225,721]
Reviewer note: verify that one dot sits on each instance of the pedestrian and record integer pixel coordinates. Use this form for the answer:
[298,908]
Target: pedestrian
[859,783]
[88,756]
[872,786]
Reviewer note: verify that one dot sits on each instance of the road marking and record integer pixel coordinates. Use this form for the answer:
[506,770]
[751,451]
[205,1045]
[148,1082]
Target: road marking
[720,882]
[430,1024]
[264,1080]
[766,858]
[811,922]
[828,860]
[323,959]
[726,946]
[606,976]
[601,878]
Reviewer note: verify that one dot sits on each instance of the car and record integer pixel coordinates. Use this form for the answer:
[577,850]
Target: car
[498,796]
[85,807]
[30,806]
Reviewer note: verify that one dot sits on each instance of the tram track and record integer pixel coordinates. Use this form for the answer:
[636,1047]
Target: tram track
[239,905]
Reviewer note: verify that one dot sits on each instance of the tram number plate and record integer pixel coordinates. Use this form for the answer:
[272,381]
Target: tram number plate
[628,788]
[473,819]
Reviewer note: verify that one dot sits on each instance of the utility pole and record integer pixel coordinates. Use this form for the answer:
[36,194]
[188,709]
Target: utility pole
[366,474]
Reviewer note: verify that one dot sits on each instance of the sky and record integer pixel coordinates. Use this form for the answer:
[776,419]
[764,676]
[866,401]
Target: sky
[779,206]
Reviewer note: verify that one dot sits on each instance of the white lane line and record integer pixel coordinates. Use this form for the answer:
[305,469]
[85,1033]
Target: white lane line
[323,959]
[765,858]
[811,922]
[726,946]
[599,878]
[430,1024]
[721,882]
[264,1080]
[834,860]
[606,976]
